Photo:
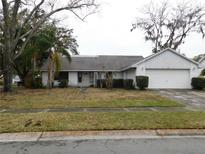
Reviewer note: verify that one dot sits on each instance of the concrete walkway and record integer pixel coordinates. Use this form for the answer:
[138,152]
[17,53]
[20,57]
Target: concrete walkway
[130,109]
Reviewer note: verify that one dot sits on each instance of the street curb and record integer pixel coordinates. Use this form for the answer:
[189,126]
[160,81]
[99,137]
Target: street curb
[113,134]
[180,132]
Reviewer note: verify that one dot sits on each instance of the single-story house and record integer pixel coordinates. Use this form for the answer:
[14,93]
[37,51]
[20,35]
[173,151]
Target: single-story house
[167,69]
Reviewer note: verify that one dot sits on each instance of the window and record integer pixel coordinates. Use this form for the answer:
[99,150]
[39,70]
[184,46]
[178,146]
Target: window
[91,76]
[80,77]
[61,76]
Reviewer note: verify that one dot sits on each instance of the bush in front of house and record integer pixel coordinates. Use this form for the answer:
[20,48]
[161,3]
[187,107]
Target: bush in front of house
[198,83]
[36,80]
[203,72]
[63,83]
[118,83]
[1,82]
[142,82]
[37,83]
[128,84]
[101,83]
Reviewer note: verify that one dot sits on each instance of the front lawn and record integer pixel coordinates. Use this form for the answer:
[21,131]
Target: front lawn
[100,121]
[72,97]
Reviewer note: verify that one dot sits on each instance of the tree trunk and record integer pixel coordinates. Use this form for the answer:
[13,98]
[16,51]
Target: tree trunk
[7,67]
[7,74]
[7,57]
[49,72]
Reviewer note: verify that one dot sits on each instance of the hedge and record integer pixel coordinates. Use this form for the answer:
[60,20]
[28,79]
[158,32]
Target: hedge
[1,82]
[63,83]
[142,82]
[198,83]
[128,84]
[99,82]
[116,83]
[203,72]
[37,83]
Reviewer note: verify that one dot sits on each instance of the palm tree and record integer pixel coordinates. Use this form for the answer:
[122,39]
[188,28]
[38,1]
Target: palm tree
[63,44]
[54,64]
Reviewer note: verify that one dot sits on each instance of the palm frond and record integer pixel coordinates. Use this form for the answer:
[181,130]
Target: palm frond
[66,54]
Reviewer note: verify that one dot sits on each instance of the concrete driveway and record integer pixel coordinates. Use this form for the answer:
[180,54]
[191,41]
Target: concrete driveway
[192,99]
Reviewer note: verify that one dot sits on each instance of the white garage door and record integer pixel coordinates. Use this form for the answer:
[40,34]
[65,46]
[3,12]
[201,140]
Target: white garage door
[169,79]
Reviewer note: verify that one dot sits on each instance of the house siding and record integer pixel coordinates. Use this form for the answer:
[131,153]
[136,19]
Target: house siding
[45,78]
[73,79]
[167,60]
[130,74]
[117,75]
[173,61]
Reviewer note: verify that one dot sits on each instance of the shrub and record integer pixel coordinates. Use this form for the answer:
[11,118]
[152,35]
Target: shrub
[1,82]
[36,80]
[142,82]
[28,81]
[37,83]
[117,83]
[101,81]
[203,72]
[198,83]
[128,84]
[63,83]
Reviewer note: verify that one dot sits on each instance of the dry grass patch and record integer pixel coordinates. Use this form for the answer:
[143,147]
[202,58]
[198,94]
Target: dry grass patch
[72,97]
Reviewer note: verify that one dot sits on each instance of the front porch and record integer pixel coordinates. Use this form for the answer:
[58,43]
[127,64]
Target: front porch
[87,78]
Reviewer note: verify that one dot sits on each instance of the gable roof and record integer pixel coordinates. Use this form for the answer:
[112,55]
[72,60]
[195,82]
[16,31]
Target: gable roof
[96,63]
[159,53]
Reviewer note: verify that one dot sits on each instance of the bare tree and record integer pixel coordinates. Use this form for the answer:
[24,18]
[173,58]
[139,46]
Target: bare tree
[167,27]
[33,13]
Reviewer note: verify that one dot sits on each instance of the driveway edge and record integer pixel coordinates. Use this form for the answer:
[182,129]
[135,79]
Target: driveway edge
[114,134]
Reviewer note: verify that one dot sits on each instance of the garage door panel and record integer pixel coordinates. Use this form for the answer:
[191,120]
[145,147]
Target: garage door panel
[169,79]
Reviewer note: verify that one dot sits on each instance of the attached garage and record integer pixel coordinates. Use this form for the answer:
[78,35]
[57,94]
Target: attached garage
[168,69]
[174,79]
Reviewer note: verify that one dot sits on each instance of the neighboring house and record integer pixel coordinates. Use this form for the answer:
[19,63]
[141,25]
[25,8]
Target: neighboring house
[16,79]
[166,69]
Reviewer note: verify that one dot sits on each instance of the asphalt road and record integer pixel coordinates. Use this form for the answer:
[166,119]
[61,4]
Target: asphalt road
[182,145]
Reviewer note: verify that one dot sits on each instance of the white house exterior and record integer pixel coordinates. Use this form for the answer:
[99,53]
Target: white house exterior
[166,69]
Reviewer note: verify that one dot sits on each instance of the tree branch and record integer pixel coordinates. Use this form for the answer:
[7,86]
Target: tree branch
[70,8]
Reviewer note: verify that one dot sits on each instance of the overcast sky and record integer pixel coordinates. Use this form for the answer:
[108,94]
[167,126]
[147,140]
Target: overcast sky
[108,32]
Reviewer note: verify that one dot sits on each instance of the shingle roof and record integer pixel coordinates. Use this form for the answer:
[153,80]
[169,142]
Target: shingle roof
[98,63]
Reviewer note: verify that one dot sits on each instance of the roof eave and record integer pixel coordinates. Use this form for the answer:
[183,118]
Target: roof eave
[44,70]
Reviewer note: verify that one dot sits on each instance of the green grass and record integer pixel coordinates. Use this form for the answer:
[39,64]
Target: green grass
[100,121]
[72,97]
